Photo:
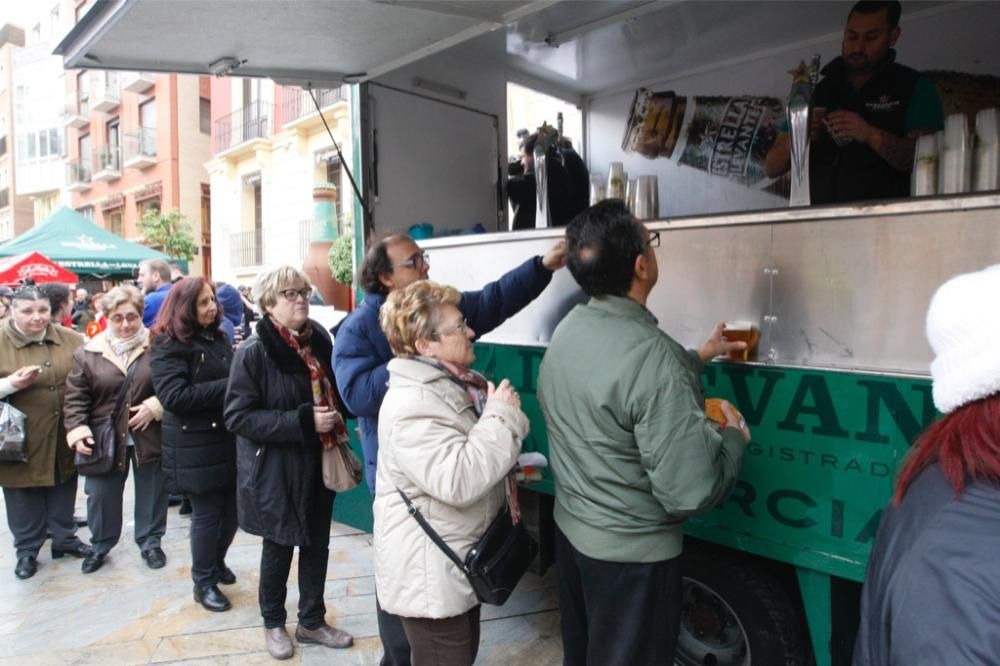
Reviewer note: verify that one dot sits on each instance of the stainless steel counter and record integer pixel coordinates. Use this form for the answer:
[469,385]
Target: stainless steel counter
[843,287]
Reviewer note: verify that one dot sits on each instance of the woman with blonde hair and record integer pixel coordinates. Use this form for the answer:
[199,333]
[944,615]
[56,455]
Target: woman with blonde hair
[100,369]
[284,409]
[448,440]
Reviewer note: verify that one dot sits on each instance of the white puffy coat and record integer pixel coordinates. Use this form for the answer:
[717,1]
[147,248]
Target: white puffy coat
[452,465]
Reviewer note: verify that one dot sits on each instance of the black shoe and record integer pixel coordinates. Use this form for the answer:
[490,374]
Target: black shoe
[79,550]
[211,598]
[26,567]
[226,575]
[185,509]
[155,558]
[93,562]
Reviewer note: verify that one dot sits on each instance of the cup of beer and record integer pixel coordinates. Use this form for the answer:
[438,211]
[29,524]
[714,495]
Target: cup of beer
[742,331]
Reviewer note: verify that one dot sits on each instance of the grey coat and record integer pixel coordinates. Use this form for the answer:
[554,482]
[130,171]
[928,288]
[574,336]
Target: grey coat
[932,589]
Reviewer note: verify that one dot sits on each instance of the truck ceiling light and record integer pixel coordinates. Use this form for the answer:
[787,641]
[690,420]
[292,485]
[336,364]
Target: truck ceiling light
[224,66]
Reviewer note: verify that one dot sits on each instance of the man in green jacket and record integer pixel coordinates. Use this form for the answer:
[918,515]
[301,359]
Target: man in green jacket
[631,450]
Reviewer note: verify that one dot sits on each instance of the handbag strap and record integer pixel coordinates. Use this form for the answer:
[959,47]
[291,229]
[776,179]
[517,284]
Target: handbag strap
[435,537]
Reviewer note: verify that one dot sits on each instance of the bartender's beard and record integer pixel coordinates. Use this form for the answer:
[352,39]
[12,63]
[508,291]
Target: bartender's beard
[859,63]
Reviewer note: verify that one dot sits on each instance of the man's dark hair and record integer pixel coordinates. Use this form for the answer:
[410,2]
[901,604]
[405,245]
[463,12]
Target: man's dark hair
[376,262]
[892,7]
[603,242]
[58,294]
[529,143]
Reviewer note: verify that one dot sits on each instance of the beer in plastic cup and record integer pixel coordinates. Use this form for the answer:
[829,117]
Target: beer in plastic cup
[741,331]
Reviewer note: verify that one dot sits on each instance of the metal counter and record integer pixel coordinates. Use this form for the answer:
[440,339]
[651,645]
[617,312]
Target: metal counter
[843,288]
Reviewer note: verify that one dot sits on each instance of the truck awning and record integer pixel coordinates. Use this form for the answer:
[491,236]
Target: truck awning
[324,42]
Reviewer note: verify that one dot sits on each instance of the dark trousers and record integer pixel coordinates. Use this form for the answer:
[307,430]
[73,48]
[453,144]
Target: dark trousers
[395,644]
[213,526]
[30,511]
[617,613]
[276,562]
[105,504]
[450,641]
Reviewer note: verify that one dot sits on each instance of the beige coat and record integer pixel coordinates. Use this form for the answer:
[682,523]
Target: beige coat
[42,402]
[452,464]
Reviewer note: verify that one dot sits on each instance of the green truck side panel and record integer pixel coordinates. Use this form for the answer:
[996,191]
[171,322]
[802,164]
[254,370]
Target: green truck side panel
[826,446]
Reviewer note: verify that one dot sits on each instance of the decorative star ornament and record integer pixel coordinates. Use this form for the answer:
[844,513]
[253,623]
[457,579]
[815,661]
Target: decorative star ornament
[801,74]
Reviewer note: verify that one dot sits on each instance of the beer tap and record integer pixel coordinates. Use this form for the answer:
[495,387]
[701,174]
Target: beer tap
[804,79]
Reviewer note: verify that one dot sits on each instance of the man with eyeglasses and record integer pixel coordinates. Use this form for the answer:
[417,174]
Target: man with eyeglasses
[631,450]
[361,351]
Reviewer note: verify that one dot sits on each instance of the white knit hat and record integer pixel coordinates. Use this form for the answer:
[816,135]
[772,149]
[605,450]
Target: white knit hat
[963,328]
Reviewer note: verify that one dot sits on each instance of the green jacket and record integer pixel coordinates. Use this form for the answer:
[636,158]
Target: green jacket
[629,444]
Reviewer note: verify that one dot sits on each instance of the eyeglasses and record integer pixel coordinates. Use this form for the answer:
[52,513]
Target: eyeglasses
[461,327]
[131,318]
[291,294]
[417,260]
[654,239]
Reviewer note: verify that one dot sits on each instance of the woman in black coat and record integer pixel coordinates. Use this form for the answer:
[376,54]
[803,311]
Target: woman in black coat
[284,409]
[190,363]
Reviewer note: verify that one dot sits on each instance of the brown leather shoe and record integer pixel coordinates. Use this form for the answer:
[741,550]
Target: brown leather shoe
[279,645]
[324,635]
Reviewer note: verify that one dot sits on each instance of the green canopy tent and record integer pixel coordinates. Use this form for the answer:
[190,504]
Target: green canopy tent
[73,241]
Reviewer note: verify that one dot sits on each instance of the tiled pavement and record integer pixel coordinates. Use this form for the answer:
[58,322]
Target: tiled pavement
[128,614]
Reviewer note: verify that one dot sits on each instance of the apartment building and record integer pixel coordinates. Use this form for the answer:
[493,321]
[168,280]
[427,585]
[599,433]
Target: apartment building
[15,211]
[139,141]
[270,152]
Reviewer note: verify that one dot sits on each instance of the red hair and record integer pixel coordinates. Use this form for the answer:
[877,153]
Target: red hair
[965,443]
[178,316]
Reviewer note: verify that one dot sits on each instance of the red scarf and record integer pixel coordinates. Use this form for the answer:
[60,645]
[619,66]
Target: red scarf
[322,388]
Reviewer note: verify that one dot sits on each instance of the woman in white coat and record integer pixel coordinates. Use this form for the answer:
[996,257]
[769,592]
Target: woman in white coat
[448,439]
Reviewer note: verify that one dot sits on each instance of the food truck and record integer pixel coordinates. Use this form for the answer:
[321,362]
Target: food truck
[838,387]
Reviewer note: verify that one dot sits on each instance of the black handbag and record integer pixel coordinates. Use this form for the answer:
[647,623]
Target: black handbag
[102,456]
[496,562]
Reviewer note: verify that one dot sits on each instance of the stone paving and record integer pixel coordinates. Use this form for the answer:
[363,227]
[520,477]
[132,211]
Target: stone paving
[129,614]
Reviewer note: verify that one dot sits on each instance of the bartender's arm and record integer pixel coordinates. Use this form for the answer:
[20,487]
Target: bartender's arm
[779,155]
[923,116]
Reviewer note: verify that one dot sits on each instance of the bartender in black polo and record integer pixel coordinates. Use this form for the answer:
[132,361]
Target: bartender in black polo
[868,111]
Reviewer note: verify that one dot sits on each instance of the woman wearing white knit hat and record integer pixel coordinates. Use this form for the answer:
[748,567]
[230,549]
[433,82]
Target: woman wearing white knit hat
[932,589]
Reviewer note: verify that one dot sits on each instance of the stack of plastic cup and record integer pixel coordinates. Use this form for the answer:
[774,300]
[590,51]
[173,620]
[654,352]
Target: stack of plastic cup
[986,171]
[955,157]
[924,181]
[616,181]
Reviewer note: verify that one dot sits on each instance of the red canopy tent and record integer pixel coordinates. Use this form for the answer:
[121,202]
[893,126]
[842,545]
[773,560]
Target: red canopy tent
[14,270]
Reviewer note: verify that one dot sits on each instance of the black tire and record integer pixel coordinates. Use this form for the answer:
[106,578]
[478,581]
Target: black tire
[736,612]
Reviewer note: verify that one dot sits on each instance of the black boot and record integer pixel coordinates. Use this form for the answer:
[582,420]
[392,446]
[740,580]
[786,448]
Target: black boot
[93,562]
[211,598]
[26,567]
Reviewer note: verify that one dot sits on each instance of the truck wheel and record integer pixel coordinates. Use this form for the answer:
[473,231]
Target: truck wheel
[736,613]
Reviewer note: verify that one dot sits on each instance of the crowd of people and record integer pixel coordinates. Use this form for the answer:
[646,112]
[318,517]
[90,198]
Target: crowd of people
[241,427]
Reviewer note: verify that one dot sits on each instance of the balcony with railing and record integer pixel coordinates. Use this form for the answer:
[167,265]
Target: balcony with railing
[108,163]
[246,249]
[296,103]
[242,126]
[107,91]
[139,148]
[78,175]
[77,112]
[138,82]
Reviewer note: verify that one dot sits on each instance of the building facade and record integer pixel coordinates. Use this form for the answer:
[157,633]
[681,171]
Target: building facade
[138,141]
[15,209]
[270,152]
